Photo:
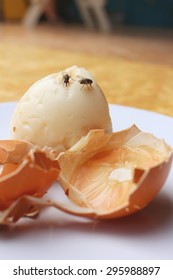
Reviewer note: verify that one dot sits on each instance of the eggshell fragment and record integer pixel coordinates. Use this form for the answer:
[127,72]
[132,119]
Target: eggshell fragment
[115,174]
[13,151]
[30,206]
[26,170]
[105,175]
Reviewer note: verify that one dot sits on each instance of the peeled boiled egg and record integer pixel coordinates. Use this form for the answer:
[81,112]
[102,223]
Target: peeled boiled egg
[61,108]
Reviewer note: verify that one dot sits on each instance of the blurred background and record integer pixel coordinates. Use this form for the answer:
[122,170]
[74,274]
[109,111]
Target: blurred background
[126,44]
[157,13]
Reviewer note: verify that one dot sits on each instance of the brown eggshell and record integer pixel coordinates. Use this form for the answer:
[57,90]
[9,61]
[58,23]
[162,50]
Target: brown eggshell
[30,206]
[97,151]
[89,167]
[13,150]
[26,170]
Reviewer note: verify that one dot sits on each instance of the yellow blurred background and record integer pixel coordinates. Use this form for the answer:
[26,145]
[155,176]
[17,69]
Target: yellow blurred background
[132,63]
[14,10]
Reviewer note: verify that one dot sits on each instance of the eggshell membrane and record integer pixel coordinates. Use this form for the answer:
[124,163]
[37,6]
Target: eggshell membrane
[115,174]
[26,169]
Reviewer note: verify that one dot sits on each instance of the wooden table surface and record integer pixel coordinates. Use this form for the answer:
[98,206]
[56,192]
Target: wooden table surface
[134,67]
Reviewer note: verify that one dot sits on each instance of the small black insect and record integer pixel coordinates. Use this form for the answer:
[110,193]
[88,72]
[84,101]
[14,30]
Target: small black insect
[66,79]
[85,82]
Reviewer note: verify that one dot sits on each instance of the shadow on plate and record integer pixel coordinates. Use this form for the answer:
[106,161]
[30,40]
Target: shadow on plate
[154,218]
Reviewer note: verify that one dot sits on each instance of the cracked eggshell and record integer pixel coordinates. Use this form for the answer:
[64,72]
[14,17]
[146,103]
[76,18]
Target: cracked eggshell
[13,151]
[26,170]
[56,114]
[116,174]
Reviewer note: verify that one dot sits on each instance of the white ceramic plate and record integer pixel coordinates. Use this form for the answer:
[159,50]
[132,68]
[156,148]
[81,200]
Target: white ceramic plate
[145,235]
